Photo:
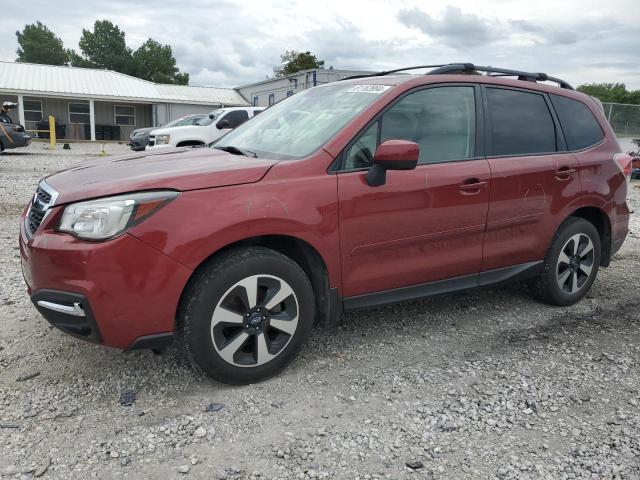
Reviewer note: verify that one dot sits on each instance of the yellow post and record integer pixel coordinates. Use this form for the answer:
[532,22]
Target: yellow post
[52,132]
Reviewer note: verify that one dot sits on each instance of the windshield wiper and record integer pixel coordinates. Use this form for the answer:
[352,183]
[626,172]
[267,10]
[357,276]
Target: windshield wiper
[237,151]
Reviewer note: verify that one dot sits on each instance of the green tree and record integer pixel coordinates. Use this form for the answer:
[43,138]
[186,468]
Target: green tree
[77,60]
[38,44]
[293,61]
[155,62]
[182,78]
[611,92]
[104,47]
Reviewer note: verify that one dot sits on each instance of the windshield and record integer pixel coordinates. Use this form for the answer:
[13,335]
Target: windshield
[302,123]
[207,120]
[182,121]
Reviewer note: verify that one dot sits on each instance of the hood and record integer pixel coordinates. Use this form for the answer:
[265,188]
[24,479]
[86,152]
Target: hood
[182,128]
[176,169]
[138,131]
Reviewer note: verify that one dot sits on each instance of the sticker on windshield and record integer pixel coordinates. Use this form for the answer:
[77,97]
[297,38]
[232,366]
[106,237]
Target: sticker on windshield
[376,89]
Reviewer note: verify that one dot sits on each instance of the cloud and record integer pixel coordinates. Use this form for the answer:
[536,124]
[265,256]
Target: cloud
[453,26]
[545,34]
[230,43]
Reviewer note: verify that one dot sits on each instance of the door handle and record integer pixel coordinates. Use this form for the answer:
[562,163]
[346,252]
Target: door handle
[565,173]
[472,186]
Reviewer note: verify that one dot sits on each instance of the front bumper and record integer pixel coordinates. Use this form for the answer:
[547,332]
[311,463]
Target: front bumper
[18,139]
[127,290]
[138,143]
[159,147]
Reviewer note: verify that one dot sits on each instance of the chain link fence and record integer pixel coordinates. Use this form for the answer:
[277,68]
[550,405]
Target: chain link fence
[623,118]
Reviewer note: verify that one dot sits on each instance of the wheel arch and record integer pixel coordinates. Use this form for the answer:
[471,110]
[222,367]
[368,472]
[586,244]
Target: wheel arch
[303,254]
[599,219]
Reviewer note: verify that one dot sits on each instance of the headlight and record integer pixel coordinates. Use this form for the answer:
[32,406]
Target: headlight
[108,217]
[162,139]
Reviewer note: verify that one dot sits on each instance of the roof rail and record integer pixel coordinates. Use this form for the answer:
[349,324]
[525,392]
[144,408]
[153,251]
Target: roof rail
[387,72]
[470,68]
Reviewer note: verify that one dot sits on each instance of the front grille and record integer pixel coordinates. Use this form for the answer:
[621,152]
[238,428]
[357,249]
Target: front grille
[43,196]
[35,219]
[42,201]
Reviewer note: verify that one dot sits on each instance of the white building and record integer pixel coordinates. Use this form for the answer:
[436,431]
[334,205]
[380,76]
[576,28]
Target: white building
[272,90]
[92,104]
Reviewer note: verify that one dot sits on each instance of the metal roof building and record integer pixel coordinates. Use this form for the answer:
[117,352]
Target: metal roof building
[271,90]
[91,104]
[102,104]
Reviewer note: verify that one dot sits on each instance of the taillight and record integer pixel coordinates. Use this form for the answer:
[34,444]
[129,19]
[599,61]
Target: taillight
[623,161]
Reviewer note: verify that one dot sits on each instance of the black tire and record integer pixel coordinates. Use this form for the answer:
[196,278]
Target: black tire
[204,295]
[546,287]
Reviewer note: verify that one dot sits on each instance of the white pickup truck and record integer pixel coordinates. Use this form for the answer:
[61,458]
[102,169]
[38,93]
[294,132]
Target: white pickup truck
[203,132]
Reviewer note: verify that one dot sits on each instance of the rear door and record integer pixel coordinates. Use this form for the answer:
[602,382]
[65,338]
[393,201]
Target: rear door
[422,225]
[534,180]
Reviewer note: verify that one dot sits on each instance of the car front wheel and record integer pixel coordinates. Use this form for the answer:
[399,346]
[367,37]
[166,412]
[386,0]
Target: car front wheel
[245,315]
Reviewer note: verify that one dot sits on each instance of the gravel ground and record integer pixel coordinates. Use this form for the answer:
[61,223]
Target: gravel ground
[485,384]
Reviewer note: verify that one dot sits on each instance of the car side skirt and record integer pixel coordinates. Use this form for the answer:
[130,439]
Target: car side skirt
[492,277]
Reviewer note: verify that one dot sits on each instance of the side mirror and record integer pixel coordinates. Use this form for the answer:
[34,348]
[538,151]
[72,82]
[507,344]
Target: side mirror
[224,123]
[392,155]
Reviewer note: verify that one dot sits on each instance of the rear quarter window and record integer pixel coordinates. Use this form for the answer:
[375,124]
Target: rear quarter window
[580,127]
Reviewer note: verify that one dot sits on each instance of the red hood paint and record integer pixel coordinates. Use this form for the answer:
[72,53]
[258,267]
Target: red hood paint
[177,169]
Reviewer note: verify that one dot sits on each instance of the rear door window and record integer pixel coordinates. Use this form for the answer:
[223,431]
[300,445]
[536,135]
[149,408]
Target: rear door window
[520,123]
[580,127]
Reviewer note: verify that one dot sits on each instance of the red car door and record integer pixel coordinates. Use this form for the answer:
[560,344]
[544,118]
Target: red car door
[425,224]
[533,184]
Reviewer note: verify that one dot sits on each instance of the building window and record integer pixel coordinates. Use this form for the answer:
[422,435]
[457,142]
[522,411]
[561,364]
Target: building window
[255,101]
[79,113]
[289,93]
[32,110]
[125,114]
[272,99]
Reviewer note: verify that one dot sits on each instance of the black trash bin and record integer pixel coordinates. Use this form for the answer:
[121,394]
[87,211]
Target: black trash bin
[61,129]
[43,125]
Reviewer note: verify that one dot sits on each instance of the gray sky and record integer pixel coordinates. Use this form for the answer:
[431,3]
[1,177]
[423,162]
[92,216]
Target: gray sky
[228,43]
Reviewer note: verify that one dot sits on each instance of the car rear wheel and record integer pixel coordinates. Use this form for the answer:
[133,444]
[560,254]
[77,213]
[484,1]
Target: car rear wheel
[571,265]
[245,315]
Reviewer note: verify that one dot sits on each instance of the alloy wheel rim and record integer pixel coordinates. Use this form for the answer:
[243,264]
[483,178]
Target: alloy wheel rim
[575,264]
[254,321]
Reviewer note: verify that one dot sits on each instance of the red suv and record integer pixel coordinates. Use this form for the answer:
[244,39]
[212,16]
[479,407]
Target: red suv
[354,194]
